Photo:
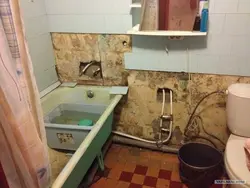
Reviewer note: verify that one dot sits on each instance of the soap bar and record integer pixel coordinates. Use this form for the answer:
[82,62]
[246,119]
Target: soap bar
[85,122]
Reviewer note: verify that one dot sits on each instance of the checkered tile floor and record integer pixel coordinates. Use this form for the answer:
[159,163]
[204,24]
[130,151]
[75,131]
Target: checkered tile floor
[128,167]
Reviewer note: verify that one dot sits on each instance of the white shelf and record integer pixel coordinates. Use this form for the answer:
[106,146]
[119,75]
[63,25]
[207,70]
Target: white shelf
[135,5]
[135,31]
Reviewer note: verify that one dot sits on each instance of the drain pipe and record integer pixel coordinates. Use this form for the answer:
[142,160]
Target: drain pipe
[166,117]
[162,112]
[146,145]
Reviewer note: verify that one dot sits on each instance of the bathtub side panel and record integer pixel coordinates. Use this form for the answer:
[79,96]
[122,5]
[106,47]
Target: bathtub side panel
[88,157]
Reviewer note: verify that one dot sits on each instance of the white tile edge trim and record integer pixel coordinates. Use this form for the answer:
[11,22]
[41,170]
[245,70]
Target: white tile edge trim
[49,89]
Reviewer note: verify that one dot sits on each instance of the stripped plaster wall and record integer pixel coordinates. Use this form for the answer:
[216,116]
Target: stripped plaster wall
[139,114]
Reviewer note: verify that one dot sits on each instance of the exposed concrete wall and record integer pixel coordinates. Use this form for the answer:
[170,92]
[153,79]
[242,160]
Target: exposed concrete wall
[139,115]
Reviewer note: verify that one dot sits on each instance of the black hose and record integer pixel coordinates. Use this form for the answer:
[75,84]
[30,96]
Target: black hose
[212,135]
[193,115]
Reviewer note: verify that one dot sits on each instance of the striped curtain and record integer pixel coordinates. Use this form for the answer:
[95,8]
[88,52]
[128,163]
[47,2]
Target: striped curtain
[23,156]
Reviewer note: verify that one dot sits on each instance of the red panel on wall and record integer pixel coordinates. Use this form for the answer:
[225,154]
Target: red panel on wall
[3,181]
[162,14]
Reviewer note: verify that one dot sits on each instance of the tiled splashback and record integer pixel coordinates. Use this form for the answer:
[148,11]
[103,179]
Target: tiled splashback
[223,51]
[89,16]
[39,42]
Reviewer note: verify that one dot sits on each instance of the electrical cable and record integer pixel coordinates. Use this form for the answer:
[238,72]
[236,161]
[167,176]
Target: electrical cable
[195,120]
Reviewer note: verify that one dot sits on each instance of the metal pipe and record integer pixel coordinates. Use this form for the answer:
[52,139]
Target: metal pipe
[160,141]
[162,112]
[86,67]
[132,142]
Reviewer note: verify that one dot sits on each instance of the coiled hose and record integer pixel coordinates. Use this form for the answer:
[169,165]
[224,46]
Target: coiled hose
[193,123]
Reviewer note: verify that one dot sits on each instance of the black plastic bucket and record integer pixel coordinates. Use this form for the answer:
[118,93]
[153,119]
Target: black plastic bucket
[200,165]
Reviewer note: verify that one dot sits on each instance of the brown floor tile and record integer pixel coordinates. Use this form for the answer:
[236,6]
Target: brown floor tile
[122,184]
[133,185]
[132,159]
[119,166]
[167,165]
[156,155]
[175,176]
[111,183]
[154,172]
[100,183]
[145,153]
[144,186]
[150,181]
[135,151]
[164,174]
[115,148]
[154,163]
[129,167]
[170,158]
[110,161]
[174,184]
[126,176]
[138,179]
[121,159]
[162,183]
[125,151]
[114,174]
[111,155]
[142,170]
[143,161]
[176,167]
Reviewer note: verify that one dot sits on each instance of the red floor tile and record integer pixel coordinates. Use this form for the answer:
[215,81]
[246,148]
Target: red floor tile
[150,181]
[129,167]
[126,176]
[141,170]
[133,185]
[165,174]
[174,184]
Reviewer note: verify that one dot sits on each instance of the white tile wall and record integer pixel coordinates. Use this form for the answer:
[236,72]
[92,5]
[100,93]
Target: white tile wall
[41,52]
[244,6]
[226,49]
[35,26]
[237,24]
[84,16]
[90,23]
[216,23]
[225,6]
[39,42]
[32,9]
[156,62]
[45,78]
[83,7]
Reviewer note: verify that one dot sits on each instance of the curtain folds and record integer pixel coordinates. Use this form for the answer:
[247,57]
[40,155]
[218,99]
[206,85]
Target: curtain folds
[24,156]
